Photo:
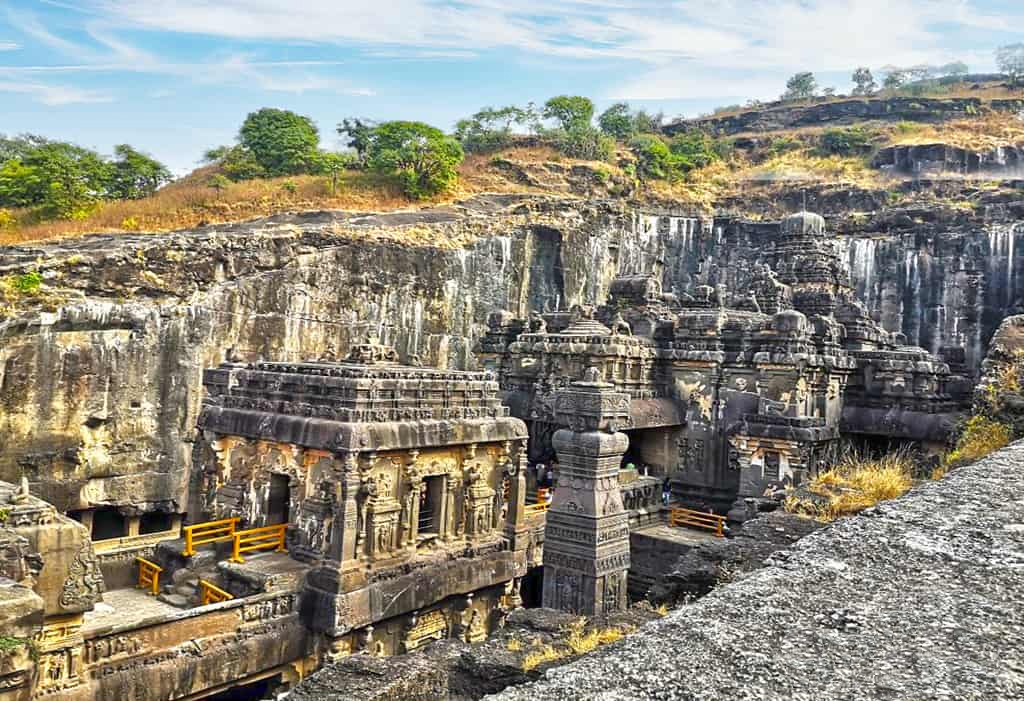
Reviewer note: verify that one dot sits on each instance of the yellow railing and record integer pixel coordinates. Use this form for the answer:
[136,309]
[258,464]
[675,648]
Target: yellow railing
[698,519]
[212,594]
[266,538]
[209,532]
[542,501]
[149,575]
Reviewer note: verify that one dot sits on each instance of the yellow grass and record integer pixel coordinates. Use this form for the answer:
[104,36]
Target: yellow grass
[191,201]
[980,437]
[854,484]
[984,132]
[577,643]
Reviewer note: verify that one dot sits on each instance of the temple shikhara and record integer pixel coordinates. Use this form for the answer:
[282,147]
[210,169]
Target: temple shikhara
[371,506]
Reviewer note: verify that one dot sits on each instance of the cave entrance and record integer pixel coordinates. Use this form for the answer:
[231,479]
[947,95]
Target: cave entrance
[278,499]
[107,523]
[252,691]
[155,522]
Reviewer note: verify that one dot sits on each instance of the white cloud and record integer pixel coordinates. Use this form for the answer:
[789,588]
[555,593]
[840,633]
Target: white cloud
[9,45]
[53,95]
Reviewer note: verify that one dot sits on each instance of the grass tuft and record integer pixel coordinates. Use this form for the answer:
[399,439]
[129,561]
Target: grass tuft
[981,436]
[855,483]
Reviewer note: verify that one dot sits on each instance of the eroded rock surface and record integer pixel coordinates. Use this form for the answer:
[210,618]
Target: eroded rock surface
[917,598]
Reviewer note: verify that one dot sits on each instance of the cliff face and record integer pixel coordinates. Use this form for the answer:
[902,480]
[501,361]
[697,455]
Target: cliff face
[101,393]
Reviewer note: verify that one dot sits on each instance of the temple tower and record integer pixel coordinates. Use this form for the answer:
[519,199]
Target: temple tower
[586,541]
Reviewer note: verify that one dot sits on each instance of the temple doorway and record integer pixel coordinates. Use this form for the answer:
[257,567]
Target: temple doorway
[278,499]
[430,506]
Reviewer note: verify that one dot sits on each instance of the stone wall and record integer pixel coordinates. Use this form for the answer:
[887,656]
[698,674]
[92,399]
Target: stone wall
[101,393]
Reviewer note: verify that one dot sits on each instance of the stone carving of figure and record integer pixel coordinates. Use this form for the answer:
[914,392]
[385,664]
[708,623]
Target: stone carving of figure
[592,375]
[619,325]
[367,491]
[537,323]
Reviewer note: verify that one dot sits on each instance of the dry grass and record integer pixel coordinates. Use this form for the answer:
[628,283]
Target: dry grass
[854,484]
[577,643]
[804,165]
[662,610]
[981,436]
[514,645]
[980,133]
[191,201]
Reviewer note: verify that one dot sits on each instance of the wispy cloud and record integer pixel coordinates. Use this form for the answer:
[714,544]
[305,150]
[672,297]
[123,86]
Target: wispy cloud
[9,45]
[53,95]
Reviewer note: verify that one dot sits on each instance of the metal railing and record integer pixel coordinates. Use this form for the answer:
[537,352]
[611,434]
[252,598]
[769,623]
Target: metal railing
[212,594]
[266,538]
[542,501]
[698,519]
[209,532]
[149,575]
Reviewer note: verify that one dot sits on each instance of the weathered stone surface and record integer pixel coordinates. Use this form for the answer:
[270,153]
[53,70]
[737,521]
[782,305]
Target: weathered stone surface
[917,598]
[799,114]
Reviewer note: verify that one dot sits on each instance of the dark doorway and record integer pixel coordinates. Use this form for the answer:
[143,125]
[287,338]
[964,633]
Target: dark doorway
[430,505]
[278,500]
[253,691]
[107,523]
[531,588]
[154,522]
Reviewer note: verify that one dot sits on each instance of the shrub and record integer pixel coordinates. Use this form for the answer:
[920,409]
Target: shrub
[617,122]
[654,160]
[7,220]
[583,142]
[696,149]
[28,283]
[845,142]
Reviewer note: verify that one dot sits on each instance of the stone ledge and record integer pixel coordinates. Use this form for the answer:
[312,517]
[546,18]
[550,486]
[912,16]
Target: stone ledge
[918,598]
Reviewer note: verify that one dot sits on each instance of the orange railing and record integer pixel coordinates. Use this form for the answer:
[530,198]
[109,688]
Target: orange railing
[266,538]
[212,594]
[698,519]
[209,532]
[542,502]
[149,575]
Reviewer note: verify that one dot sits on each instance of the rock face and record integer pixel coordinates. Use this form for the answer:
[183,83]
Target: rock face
[800,114]
[905,601]
[101,394]
[931,159]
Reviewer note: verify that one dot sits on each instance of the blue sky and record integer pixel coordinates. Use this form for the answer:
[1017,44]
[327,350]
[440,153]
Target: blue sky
[174,77]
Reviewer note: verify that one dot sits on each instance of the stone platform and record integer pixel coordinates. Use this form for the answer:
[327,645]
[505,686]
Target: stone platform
[919,598]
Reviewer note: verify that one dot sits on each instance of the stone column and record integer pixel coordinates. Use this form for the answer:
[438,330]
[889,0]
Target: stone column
[586,540]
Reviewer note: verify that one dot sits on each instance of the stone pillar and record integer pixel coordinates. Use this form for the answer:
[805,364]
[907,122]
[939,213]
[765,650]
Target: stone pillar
[133,525]
[586,539]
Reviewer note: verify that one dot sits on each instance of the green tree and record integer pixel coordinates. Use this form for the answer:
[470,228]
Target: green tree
[570,111]
[359,133]
[282,142]
[236,162]
[584,142]
[864,82]
[696,149]
[646,123]
[895,79]
[1010,60]
[422,157]
[333,164]
[617,122]
[957,69]
[800,87]
[135,175]
[60,179]
[491,129]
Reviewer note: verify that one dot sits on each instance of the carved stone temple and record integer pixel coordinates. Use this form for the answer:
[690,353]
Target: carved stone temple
[399,495]
[367,507]
[733,395]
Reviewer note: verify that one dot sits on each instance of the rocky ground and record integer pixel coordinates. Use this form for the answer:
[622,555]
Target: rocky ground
[918,598]
[459,671]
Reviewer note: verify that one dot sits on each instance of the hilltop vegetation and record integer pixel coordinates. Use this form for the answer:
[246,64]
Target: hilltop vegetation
[53,189]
